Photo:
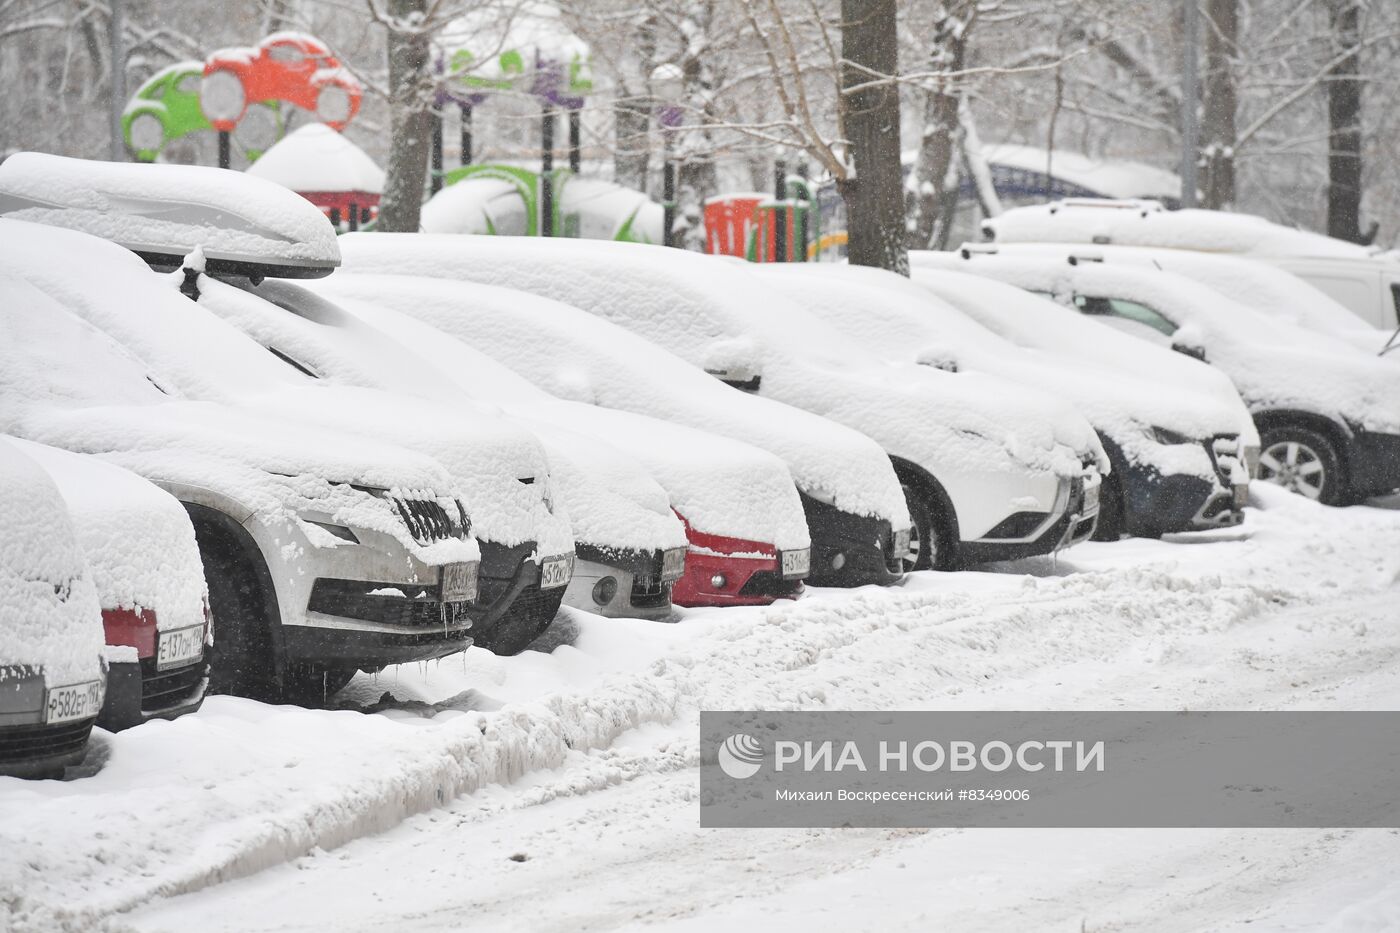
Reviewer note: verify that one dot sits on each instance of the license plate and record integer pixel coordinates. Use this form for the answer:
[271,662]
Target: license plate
[1091,498]
[1241,495]
[556,571]
[796,563]
[75,701]
[672,565]
[180,647]
[459,582]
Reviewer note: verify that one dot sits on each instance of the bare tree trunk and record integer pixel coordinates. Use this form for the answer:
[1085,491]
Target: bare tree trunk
[1221,103]
[632,112]
[935,171]
[874,193]
[409,117]
[1344,85]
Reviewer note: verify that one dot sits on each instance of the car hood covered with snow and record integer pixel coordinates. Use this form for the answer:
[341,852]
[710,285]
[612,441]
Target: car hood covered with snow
[499,470]
[591,360]
[898,319]
[1272,363]
[611,501]
[49,614]
[137,539]
[722,486]
[169,210]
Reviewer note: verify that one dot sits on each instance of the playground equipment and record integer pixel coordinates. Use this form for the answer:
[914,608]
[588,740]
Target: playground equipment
[328,170]
[166,108]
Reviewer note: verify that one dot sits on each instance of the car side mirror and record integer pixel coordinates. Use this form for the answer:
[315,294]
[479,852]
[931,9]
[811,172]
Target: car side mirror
[735,363]
[1188,340]
[938,357]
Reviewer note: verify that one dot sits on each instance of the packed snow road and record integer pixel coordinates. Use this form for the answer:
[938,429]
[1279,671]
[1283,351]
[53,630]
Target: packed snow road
[557,790]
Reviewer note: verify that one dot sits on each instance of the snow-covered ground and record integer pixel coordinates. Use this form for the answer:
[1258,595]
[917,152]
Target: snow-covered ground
[557,790]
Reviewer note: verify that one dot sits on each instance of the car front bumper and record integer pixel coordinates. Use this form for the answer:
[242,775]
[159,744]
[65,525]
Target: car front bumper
[137,692]
[850,550]
[638,588]
[29,747]
[1375,463]
[1071,521]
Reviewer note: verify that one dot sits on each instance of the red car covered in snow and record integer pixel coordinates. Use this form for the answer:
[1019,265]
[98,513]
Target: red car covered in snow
[286,66]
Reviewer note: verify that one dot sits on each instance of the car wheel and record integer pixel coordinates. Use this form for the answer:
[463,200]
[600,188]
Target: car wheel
[221,97]
[1302,461]
[146,135]
[930,540]
[1112,522]
[333,104]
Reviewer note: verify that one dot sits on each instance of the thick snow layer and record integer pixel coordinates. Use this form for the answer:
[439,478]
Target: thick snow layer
[137,540]
[720,485]
[193,353]
[169,209]
[720,316]
[1266,288]
[1274,364]
[476,205]
[604,207]
[611,502]
[898,319]
[1146,224]
[49,612]
[314,157]
[566,778]
[1114,178]
[1038,323]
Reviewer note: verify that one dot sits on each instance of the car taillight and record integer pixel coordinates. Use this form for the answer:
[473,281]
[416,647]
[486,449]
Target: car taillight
[132,627]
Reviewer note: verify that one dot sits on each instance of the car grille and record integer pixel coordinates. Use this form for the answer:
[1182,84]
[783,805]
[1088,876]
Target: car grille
[428,520]
[19,744]
[164,689]
[352,599]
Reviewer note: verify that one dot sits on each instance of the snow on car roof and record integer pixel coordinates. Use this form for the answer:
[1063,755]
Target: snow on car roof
[1124,225]
[314,157]
[167,211]
[1273,363]
[49,613]
[611,501]
[594,361]
[903,321]
[716,313]
[137,540]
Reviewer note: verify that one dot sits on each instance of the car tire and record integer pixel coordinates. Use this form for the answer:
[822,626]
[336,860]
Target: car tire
[931,545]
[1112,523]
[1303,461]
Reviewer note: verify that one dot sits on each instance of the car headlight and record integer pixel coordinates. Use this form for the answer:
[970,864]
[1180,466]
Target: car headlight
[1168,436]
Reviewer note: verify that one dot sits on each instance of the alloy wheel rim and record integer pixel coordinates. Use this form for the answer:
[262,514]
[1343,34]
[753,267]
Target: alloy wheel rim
[1295,466]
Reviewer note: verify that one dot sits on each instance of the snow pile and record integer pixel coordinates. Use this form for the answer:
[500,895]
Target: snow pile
[315,157]
[1038,323]
[1272,363]
[900,320]
[170,209]
[611,502]
[721,486]
[476,205]
[605,209]
[49,614]
[137,540]
[1146,224]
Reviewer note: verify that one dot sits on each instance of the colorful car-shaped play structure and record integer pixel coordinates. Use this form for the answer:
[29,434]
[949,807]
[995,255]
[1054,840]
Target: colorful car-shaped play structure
[286,66]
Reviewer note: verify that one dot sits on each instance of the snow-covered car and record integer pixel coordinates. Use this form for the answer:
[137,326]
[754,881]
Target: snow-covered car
[1366,283]
[286,66]
[1178,461]
[1326,412]
[527,549]
[630,546]
[141,553]
[743,520]
[324,552]
[52,669]
[989,471]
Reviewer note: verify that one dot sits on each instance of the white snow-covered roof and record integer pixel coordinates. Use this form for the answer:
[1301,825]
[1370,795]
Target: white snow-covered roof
[1113,178]
[598,363]
[170,210]
[49,613]
[314,157]
[137,540]
[1273,363]
[530,28]
[1088,221]
[903,321]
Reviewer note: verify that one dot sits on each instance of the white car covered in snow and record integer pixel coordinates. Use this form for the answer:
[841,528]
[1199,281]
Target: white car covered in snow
[324,552]
[52,670]
[527,548]
[989,471]
[141,552]
[853,504]
[1325,411]
[1356,277]
[1178,459]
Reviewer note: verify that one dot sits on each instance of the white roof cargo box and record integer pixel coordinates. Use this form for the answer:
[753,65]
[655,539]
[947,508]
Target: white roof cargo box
[245,225]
